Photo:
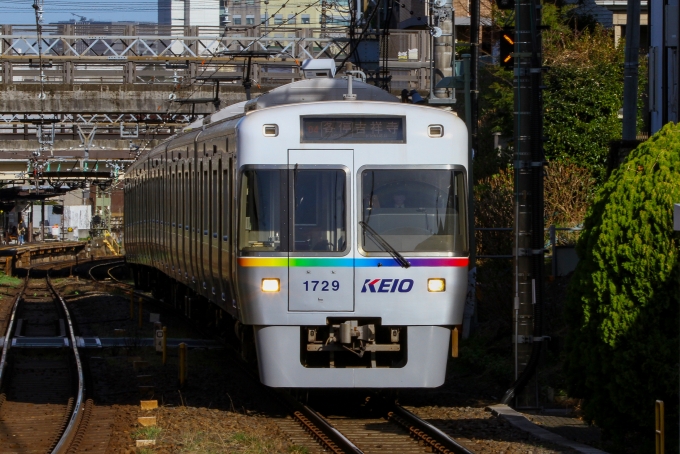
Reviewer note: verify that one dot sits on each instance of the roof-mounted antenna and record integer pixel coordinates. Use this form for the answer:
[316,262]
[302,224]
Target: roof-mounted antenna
[351,96]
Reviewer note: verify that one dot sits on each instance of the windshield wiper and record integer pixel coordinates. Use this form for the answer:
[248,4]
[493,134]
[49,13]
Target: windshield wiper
[387,247]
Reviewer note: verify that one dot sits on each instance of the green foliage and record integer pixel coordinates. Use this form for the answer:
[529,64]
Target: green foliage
[584,92]
[584,95]
[622,305]
[9,281]
[146,433]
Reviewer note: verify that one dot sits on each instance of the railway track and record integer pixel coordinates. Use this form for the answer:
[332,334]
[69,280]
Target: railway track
[42,401]
[384,427]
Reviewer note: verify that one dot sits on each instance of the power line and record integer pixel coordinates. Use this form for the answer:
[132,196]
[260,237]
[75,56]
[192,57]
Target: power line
[143,148]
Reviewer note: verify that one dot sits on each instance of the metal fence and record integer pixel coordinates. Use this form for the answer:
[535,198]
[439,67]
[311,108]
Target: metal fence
[560,245]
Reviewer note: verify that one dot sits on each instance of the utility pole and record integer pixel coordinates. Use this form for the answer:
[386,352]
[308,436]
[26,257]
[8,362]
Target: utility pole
[474,69]
[630,70]
[528,204]
[664,63]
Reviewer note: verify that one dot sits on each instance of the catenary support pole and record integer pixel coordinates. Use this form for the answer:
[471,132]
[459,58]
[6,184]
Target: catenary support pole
[528,206]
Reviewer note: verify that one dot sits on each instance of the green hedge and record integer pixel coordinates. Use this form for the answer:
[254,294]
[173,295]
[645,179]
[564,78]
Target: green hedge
[622,309]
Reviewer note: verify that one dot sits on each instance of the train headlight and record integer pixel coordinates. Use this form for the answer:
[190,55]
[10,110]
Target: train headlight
[436,285]
[271,285]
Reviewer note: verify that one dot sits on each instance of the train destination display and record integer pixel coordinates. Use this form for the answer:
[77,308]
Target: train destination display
[383,129]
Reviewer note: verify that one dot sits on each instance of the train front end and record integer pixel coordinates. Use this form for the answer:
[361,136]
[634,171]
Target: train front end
[352,242]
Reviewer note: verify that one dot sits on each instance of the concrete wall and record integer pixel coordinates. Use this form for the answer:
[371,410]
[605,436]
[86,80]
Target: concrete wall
[118,98]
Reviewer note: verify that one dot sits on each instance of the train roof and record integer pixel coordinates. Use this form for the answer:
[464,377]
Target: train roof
[303,91]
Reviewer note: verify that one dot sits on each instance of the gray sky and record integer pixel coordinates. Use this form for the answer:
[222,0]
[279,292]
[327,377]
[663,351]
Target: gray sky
[22,12]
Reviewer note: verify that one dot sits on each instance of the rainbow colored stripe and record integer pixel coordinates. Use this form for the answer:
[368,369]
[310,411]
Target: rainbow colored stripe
[358,262]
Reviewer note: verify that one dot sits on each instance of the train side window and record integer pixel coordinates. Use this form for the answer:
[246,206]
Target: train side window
[187,197]
[215,209]
[206,199]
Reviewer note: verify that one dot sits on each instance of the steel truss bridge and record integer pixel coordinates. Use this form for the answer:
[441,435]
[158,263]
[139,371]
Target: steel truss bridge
[145,54]
[65,140]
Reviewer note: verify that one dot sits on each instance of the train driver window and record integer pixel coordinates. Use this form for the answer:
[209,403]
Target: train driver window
[263,194]
[319,213]
[415,210]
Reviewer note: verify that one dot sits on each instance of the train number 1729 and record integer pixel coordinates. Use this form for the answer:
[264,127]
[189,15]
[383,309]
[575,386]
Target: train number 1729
[321,286]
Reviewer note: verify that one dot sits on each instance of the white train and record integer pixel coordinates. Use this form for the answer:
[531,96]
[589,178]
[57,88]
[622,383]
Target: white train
[333,230]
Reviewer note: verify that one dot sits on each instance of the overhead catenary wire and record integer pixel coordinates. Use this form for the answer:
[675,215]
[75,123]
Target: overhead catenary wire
[232,57]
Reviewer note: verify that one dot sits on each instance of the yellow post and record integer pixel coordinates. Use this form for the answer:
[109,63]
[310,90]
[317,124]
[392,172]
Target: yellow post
[132,305]
[165,344]
[140,312]
[182,363]
[660,430]
[454,342]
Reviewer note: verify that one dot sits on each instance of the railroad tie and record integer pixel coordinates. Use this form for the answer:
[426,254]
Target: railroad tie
[82,427]
[316,433]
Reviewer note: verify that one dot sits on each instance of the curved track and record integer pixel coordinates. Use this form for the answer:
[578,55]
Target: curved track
[41,376]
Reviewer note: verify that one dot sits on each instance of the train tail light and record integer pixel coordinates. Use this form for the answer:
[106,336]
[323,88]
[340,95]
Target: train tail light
[271,285]
[436,285]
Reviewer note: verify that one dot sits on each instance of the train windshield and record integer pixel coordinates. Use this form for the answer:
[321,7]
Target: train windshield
[296,210]
[319,213]
[262,226]
[417,210]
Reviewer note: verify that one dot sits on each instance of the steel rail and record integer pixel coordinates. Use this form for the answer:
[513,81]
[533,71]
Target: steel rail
[118,262]
[10,327]
[71,429]
[423,430]
[324,432]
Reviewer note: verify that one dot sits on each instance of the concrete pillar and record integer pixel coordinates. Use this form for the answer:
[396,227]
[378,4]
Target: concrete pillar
[42,220]
[7,73]
[67,73]
[29,233]
[130,73]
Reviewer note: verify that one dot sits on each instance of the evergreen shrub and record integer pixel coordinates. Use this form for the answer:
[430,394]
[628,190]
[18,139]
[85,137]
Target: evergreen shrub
[622,303]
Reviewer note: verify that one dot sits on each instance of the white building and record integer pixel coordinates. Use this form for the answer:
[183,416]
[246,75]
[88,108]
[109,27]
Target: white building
[189,12]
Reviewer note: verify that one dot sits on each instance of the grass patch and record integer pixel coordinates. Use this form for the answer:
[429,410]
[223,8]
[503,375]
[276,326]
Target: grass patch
[9,281]
[146,433]
[218,442]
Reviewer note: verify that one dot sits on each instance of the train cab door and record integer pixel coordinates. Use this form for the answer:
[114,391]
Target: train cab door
[321,256]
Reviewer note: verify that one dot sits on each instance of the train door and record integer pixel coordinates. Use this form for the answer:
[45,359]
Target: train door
[232,228]
[321,257]
[172,216]
[205,226]
[191,222]
[184,226]
[223,231]
[215,186]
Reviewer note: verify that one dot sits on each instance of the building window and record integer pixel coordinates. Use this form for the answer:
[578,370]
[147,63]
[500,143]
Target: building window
[250,2]
[237,20]
[278,19]
[291,19]
[305,19]
[250,19]
[263,18]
